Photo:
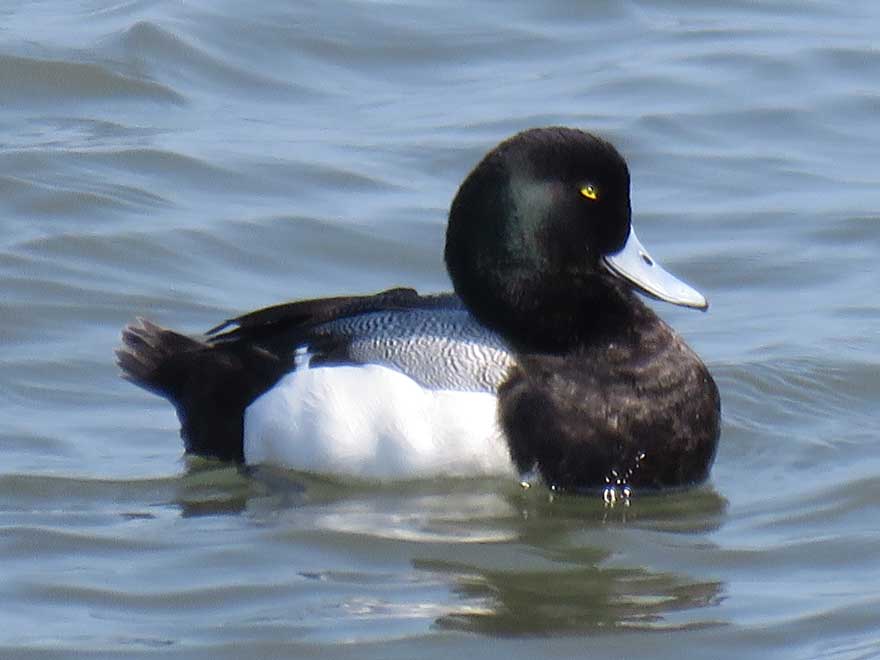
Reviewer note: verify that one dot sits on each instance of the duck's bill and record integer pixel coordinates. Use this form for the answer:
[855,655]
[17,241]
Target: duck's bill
[634,264]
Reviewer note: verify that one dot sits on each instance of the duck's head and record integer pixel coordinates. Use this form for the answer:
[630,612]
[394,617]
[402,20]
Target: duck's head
[540,245]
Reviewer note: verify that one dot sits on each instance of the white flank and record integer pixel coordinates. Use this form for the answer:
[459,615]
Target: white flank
[372,422]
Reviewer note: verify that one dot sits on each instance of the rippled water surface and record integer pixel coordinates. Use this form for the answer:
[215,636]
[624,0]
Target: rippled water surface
[190,161]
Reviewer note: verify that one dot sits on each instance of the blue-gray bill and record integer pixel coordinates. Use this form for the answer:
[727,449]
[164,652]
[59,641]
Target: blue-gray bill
[634,264]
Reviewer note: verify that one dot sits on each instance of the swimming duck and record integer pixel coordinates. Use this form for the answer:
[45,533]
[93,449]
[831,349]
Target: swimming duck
[543,361]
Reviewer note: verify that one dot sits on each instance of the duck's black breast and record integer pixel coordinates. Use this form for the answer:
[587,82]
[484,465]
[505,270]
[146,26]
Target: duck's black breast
[635,407]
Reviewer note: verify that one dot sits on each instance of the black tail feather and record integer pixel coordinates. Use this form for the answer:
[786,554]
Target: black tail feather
[147,351]
[209,385]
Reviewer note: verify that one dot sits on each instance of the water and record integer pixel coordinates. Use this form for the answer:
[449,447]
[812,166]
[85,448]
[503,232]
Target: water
[191,161]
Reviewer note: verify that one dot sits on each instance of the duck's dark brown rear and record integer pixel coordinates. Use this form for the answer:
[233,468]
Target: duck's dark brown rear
[209,385]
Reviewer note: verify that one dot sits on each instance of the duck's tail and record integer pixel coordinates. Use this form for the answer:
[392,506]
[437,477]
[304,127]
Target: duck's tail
[209,385]
[148,355]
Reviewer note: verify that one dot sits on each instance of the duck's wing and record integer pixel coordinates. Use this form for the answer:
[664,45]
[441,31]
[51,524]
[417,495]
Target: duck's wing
[432,339]
[302,315]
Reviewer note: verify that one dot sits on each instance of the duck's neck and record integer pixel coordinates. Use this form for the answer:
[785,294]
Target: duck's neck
[538,317]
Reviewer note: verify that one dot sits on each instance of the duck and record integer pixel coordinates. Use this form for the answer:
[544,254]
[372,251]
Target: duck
[542,363]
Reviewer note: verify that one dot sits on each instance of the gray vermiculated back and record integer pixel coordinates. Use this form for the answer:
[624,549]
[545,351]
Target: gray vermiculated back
[438,348]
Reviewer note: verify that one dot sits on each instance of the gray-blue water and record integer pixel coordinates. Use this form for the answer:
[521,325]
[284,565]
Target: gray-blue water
[187,161]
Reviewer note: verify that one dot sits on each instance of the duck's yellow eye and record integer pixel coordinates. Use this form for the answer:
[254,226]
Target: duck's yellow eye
[590,192]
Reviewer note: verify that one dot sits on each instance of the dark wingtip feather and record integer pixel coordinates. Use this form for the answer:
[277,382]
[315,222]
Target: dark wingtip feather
[228,323]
